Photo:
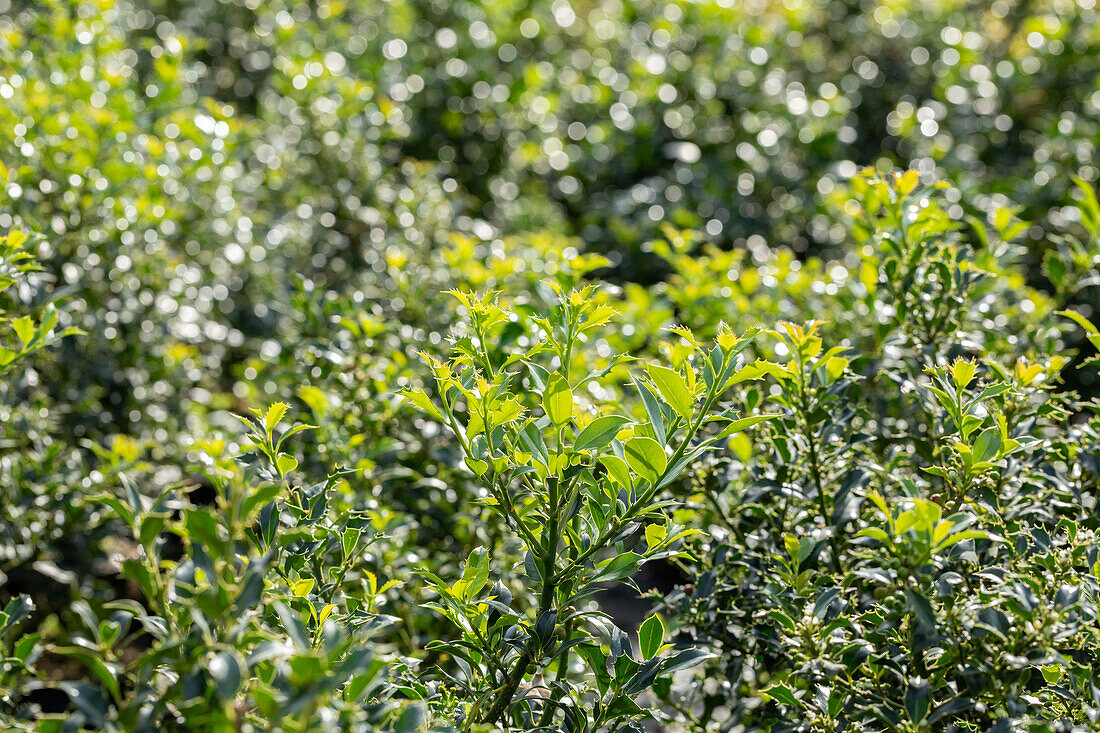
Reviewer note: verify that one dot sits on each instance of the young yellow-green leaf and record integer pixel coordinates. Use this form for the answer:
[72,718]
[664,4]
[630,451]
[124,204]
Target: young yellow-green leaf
[286,463]
[790,543]
[275,414]
[651,635]
[474,576]
[674,388]
[325,612]
[506,411]
[968,534]
[302,587]
[906,181]
[757,370]
[314,398]
[835,366]
[1052,673]
[743,424]
[1081,321]
[478,466]
[874,533]
[350,540]
[24,329]
[655,535]
[557,400]
[809,347]
[617,470]
[941,530]
[741,447]
[646,458]
[962,372]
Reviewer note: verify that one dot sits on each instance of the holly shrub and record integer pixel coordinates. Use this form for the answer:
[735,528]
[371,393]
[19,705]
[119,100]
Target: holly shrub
[614,366]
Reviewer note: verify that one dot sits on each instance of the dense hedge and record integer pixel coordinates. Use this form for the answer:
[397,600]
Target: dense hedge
[351,352]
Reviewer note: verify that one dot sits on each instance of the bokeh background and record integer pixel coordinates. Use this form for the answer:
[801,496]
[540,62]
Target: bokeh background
[227,146]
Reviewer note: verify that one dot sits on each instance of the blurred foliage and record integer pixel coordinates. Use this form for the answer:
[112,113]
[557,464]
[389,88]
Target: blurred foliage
[244,205]
[734,118]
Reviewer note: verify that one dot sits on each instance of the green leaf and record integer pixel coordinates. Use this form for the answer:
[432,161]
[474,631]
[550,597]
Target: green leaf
[597,662]
[412,719]
[104,671]
[599,433]
[835,366]
[557,400]
[150,526]
[618,567]
[1052,673]
[350,539]
[988,445]
[674,388]
[874,533]
[757,370]
[646,458]
[18,608]
[225,670]
[314,398]
[264,494]
[741,447]
[917,699]
[653,411]
[784,695]
[530,438]
[26,646]
[969,534]
[685,659]
[203,529]
[291,432]
[651,635]
[782,619]
[293,626]
[478,466]
[1089,206]
[922,609]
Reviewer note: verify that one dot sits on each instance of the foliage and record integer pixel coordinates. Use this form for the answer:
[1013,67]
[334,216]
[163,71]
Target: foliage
[580,488]
[907,547]
[371,358]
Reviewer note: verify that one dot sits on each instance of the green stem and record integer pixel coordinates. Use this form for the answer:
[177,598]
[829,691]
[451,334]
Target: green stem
[815,462]
[563,670]
[512,680]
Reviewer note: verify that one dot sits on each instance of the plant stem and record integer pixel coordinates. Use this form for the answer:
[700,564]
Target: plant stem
[512,680]
[815,466]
